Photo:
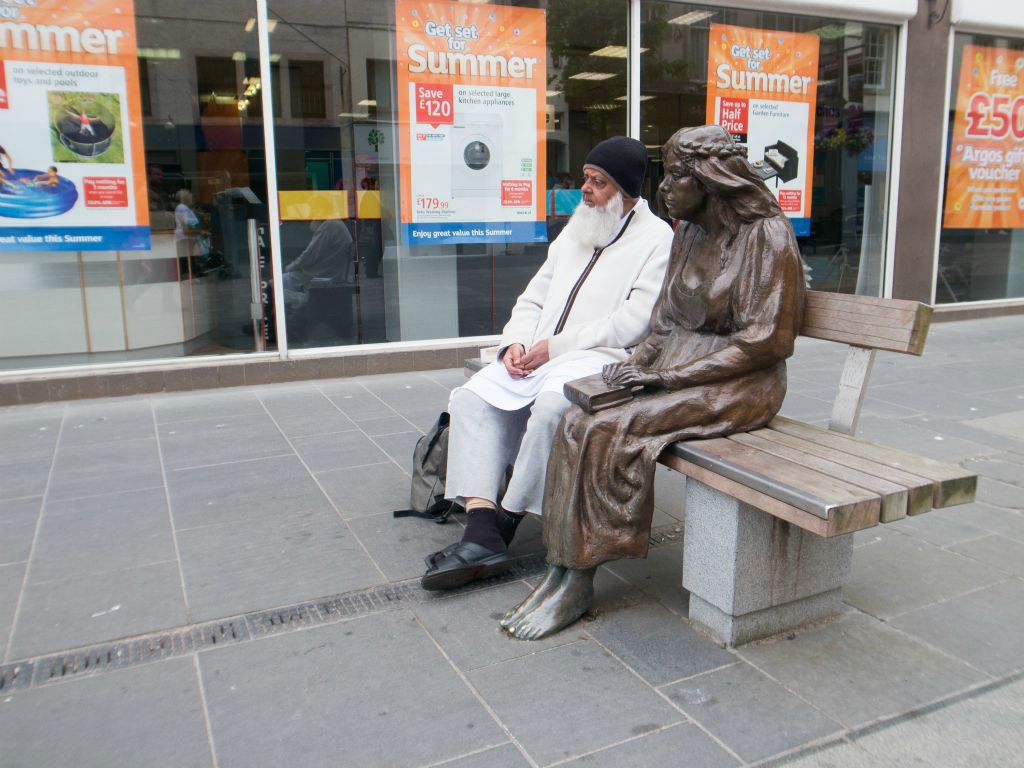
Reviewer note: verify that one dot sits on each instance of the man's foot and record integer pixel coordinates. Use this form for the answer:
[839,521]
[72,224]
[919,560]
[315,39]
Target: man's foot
[551,580]
[464,563]
[570,600]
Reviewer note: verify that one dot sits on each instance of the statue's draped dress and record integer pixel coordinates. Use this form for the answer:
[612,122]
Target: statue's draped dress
[723,326]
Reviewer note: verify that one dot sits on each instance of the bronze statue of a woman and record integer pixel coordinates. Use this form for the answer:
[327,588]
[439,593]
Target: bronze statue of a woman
[713,364]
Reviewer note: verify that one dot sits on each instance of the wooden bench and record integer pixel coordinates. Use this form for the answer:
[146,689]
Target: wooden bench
[752,574]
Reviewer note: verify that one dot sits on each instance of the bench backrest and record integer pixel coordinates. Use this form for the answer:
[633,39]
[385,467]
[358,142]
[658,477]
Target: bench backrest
[867,324]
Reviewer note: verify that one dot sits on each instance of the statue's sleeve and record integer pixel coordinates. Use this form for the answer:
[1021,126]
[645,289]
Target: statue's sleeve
[767,307]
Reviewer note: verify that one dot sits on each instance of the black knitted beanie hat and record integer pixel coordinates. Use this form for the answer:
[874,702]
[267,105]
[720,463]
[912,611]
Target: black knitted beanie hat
[624,160]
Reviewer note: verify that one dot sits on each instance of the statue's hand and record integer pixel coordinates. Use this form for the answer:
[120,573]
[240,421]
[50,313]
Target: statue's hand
[629,375]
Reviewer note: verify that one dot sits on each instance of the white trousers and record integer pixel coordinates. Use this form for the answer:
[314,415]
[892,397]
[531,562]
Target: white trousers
[484,440]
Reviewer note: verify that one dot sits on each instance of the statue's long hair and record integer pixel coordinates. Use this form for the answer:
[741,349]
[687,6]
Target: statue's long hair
[736,194]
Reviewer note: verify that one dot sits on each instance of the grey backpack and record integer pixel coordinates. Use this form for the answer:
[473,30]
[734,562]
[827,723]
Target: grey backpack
[429,468]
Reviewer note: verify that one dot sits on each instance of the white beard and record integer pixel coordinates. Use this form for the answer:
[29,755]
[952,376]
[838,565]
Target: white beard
[593,227]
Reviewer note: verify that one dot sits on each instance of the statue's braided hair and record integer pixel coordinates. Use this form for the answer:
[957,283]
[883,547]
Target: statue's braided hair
[691,150]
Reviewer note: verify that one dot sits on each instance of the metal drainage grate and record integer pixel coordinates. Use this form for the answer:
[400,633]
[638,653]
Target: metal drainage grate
[185,640]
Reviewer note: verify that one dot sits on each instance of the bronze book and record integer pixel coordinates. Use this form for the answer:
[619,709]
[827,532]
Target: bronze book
[592,394]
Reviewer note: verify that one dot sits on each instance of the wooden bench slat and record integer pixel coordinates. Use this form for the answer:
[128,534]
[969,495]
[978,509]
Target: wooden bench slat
[919,489]
[833,317]
[838,524]
[830,322]
[951,485]
[893,496]
[784,480]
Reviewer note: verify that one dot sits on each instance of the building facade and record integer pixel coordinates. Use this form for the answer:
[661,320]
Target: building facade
[202,194]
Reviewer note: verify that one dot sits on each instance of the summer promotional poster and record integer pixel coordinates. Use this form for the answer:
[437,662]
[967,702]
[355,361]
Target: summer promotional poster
[71,162]
[471,112]
[985,186]
[761,88]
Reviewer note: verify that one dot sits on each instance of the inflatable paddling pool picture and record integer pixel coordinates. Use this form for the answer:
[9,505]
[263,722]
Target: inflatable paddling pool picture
[84,127]
[28,194]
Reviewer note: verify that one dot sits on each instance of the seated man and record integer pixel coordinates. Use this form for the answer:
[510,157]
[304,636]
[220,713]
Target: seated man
[589,303]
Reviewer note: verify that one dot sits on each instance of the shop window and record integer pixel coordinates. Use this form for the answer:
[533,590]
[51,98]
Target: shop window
[835,182]
[981,244]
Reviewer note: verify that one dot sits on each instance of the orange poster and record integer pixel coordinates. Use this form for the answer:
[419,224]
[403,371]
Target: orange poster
[761,88]
[72,175]
[985,188]
[472,122]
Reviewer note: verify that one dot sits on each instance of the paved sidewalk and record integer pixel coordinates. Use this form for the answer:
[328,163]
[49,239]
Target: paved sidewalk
[215,579]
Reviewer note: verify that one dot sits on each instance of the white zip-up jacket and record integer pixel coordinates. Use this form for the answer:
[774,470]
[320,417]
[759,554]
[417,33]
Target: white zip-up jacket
[612,308]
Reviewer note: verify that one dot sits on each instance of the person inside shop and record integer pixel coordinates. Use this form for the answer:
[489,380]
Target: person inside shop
[589,303]
[327,255]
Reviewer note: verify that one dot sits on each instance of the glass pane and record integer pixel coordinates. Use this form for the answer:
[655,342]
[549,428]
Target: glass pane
[843,238]
[163,171]
[981,245]
[351,274]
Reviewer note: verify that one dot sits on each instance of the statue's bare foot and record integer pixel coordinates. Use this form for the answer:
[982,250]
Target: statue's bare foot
[551,580]
[560,608]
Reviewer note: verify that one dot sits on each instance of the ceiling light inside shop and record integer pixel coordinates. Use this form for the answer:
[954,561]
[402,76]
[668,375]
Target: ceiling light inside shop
[614,52]
[592,76]
[250,25]
[367,103]
[691,18]
[159,53]
[355,115]
[604,107]
[552,94]
[238,56]
[830,31]
[640,98]
[275,57]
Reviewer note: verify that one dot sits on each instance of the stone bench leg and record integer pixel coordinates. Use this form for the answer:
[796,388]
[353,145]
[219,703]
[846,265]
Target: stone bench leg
[751,575]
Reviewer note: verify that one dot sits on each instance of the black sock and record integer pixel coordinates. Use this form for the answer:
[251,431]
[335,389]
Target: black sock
[507,524]
[482,528]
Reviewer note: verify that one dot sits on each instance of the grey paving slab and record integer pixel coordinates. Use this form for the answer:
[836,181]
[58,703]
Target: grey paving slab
[11,579]
[799,406]
[466,626]
[232,437]
[1010,424]
[242,491]
[1000,494]
[902,434]
[670,492]
[18,520]
[579,684]
[363,692]
[29,436]
[80,537]
[150,715]
[683,744]
[749,712]
[300,555]
[92,608]
[903,573]
[338,450]
[305,412]
[924,396]
[940,530]
[963,430]
[982,730]
[856,669]
[359,404]
[398,546]
[1006,555]
[104,421]
[367,490]
[1006,522]
[423,418]
[399,446]
[191,406]
[659,575]
[24,479]
[505,756]
[657,644]
[1001,467]
[984,628]
[529,536]
[389,425]
[449,378]
[88,470]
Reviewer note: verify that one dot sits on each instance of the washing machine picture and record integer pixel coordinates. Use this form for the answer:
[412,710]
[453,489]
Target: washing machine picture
[477,156]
